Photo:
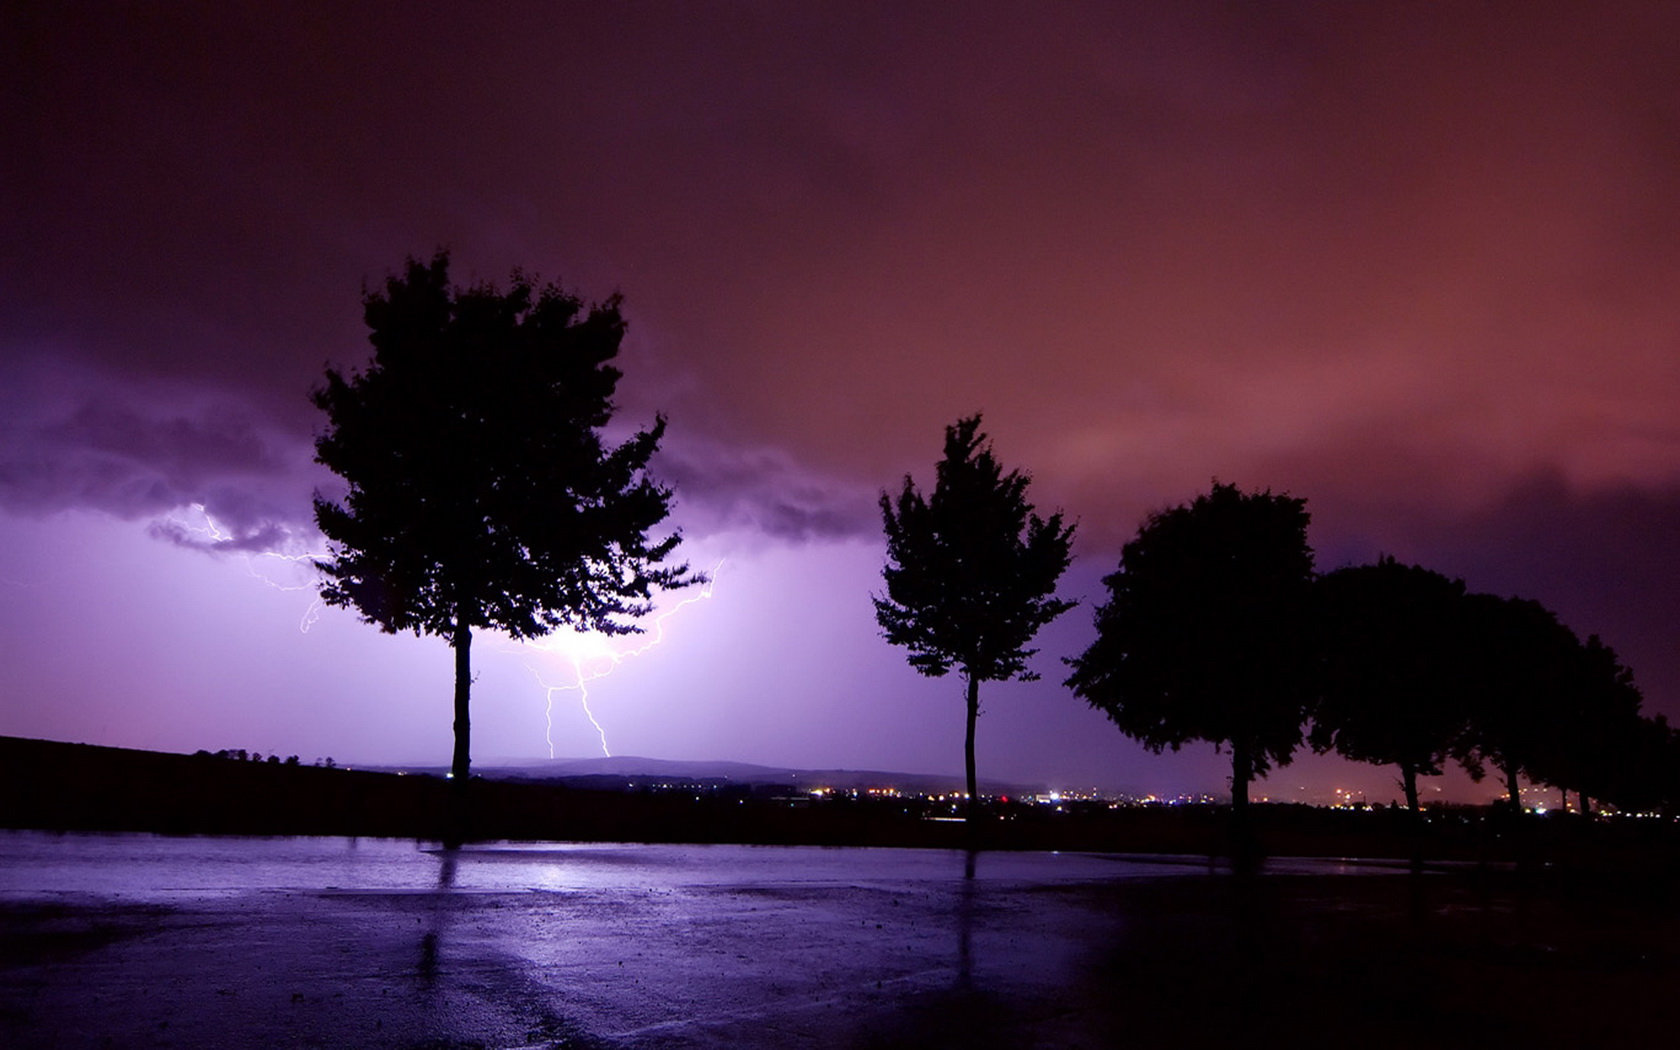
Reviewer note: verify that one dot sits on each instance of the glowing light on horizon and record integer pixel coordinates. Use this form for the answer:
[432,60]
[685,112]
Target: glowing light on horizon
[592,657]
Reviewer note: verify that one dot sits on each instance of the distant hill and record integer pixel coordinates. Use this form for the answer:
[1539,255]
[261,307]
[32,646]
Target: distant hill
[596,771]
[62,786]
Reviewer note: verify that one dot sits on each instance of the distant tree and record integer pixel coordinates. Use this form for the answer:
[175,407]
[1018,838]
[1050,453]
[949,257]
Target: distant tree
[1208,634]
[1594,730]
[1394,688]
[971,573]
[1520,678]
[1647,779]
[481,492]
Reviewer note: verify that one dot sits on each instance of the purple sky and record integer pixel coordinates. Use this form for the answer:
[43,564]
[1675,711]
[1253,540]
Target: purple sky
[1417,263]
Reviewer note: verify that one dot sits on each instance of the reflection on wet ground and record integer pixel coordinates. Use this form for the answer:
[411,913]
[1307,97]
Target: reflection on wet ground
[137,866]
[143,941]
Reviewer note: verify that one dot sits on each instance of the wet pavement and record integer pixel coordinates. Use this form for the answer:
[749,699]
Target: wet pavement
[144,941]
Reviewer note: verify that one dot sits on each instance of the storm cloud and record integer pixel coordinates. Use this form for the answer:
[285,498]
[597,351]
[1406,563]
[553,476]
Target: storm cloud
[1415,263]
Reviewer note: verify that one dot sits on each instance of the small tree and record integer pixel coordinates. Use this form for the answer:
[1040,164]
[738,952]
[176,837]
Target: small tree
[1394,685]
[1208,634]
[481,494]
[971,573]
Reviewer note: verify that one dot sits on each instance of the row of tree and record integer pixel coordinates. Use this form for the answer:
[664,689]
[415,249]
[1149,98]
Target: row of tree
[480,493]
[239,754]
[1218,628]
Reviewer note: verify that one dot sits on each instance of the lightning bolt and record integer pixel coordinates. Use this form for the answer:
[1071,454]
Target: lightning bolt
[591,658]
[589,655]
[582,686]
[205,528]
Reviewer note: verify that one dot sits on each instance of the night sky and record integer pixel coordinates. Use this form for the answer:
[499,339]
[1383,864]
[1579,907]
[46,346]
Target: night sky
[1418,263]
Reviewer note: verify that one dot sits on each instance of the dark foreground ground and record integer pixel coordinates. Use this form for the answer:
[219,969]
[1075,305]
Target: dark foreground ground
[1546,933]
[1176,959]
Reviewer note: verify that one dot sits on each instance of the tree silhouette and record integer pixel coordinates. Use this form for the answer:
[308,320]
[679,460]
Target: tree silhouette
[1520,680]
[481,494]
[1594,732]
[1647,776]
[970,573]
[1208,634]
[1394,690]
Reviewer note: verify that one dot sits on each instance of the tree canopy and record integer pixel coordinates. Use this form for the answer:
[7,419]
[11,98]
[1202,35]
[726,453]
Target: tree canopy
[1597,732]
[1208,633]
[1395,690]
[1417,671]
[1522,672]
[971,571]
[481,493]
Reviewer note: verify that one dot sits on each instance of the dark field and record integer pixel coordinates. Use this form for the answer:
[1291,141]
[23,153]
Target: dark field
[55,786]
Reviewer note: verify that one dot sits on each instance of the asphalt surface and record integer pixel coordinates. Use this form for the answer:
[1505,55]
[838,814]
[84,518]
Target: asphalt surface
[722,948]
[142,942]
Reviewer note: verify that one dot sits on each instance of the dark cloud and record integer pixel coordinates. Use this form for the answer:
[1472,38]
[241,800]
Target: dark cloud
[215,477]
[763,492]
[185,450]
[76,439]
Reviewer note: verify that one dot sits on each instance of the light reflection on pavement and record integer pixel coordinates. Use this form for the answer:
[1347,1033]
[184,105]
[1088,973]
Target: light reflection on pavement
[139,940]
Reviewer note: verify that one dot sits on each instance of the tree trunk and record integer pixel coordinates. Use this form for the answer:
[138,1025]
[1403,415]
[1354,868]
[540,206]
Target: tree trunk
[1414,815]
[459,769]
[973,812]
[458,823]
[1245,857]
[1242,771]
[1512,789]
[1586,805]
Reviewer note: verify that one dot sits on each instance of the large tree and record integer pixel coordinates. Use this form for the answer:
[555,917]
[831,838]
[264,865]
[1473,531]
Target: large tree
[1522,673]
[480,491]
[971,573]
[1647,777]
[1595,734]
[1208,633]
[1394,689]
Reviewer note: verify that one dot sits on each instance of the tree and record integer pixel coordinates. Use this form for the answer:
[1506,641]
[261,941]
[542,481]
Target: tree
[1394,690]
[481,493]
[1208,634]
[971,573]
[1595,733]
[1647,778]
[1520,679]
